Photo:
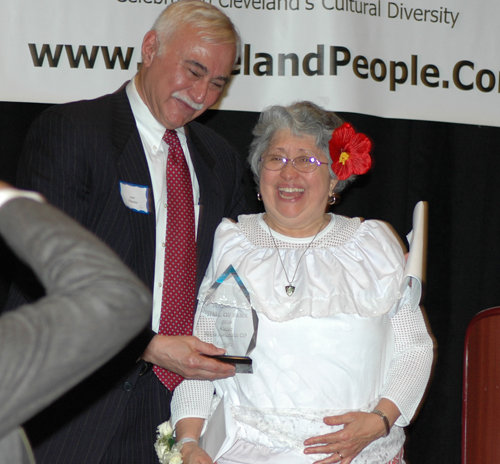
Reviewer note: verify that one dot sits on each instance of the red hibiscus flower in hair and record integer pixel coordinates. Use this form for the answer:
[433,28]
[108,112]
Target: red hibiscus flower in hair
[350,152]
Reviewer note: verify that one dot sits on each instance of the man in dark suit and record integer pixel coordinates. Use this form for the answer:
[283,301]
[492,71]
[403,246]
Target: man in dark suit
[103,162]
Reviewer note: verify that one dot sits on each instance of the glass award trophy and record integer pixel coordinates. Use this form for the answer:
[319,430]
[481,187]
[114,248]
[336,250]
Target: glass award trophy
[228,320]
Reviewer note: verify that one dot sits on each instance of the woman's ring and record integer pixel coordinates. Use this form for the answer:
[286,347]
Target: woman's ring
[341,457]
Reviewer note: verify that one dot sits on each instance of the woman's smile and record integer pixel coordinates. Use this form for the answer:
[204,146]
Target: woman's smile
[290,193]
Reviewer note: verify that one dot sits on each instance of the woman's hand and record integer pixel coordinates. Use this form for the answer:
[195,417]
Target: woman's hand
[193,454]
[360,429]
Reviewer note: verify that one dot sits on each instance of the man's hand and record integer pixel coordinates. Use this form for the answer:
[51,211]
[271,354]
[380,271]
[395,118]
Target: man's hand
[184,355]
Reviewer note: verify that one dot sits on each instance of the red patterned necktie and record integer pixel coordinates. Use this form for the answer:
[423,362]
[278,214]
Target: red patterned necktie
[178,297]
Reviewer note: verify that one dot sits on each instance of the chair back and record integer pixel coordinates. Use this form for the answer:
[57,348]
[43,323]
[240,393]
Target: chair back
[481,389]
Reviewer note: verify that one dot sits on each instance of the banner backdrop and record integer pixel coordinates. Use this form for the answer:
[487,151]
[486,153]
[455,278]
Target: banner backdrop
[410,59]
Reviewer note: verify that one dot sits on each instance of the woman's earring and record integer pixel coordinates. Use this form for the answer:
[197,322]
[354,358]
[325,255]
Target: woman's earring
[334,199]
[259,196]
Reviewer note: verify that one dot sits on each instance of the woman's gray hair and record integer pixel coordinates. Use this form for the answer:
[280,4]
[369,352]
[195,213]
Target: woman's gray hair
[301,118]
[214,25]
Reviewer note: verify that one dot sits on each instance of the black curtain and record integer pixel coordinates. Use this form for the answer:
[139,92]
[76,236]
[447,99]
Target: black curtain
[454,167]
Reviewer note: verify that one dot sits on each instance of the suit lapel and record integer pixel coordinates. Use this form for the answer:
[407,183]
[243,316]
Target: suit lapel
[132,167]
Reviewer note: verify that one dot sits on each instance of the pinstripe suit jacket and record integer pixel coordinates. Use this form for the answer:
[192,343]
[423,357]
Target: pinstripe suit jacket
[75,155]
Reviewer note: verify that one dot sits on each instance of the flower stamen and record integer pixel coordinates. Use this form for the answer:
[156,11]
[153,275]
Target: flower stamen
[344,156]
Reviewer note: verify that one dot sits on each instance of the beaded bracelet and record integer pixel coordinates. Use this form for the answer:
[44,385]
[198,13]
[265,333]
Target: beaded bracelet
[381,414]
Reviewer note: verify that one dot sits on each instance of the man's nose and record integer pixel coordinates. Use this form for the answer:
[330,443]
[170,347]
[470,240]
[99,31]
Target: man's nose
[199,91]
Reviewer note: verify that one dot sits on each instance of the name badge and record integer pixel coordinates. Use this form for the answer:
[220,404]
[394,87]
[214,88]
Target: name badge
[135,197]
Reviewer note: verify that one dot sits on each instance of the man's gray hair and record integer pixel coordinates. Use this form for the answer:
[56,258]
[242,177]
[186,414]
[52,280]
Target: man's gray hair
[301,118]
[215,27]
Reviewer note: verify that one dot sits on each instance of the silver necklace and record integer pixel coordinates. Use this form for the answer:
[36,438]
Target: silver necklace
[289,289]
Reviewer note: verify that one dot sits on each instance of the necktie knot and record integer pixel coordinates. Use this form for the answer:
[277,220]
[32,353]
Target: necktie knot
[169,133]
[174,145]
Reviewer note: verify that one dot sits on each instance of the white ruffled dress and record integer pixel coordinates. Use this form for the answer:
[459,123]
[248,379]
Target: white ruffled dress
[348,336]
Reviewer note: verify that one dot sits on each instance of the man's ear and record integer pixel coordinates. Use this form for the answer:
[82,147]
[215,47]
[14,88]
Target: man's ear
[149,48]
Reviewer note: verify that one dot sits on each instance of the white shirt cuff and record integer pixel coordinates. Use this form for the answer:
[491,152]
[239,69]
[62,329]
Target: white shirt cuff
[8,194]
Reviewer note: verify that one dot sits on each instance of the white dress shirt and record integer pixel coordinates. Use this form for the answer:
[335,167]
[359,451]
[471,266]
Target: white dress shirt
[151,132]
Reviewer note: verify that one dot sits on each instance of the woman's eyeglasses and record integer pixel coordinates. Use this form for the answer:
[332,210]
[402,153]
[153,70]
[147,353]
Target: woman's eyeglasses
[301,163]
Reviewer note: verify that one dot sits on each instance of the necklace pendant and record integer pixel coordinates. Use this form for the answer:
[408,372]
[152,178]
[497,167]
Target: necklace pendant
[289,290]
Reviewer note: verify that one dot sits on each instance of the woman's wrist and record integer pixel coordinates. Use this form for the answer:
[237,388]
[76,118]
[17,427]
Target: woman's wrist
[185,440]
[385,420]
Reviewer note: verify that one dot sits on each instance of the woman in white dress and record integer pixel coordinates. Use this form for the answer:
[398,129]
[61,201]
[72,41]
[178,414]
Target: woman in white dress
[343,355]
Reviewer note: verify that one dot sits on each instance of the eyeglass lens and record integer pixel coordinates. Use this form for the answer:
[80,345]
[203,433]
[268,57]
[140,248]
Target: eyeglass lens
[302,163]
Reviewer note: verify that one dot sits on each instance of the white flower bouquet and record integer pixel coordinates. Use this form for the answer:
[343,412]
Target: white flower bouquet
[167,450]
